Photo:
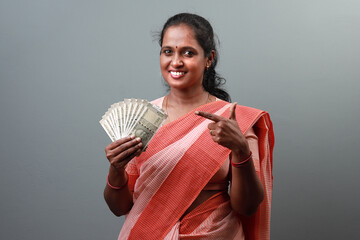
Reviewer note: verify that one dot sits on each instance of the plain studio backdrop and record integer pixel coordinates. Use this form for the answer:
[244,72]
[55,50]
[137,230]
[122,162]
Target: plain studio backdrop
[63,63]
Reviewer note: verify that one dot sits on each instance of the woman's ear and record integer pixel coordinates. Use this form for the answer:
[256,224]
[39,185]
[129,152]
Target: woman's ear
[210,59]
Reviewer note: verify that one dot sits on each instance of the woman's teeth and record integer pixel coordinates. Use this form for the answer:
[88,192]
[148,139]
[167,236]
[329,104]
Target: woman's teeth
[177,73]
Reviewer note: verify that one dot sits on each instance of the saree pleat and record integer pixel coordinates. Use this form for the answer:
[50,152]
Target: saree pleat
[213,219]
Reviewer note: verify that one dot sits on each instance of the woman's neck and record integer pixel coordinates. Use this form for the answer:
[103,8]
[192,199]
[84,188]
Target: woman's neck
[179,103]
[186,99]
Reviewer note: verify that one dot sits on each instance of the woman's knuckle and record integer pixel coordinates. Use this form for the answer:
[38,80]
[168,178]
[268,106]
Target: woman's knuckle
[221,124]
[112,162]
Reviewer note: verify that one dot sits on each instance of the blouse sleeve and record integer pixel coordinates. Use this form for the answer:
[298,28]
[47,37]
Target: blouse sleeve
[133,174]
[254,147]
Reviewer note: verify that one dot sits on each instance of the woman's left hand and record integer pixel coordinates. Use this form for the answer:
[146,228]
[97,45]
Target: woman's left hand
[226,132]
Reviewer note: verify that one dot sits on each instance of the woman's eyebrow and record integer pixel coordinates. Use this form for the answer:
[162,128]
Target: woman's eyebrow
[188,48]
[184,47]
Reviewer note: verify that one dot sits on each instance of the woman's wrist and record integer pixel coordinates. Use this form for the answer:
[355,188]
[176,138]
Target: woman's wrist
[117,187]
[239,155]
[241,163]
[118,171]
[116,178]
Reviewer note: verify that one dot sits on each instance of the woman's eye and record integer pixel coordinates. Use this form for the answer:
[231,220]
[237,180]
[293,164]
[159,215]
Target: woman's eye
[166,51]
[188,53]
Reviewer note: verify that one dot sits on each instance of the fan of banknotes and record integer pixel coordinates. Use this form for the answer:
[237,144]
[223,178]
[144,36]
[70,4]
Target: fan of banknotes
[133,117]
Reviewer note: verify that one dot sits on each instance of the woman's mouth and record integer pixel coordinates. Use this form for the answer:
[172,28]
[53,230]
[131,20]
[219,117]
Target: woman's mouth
[176,74]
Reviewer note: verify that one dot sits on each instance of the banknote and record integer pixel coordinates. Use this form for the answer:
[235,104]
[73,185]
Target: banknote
[136,117]
[148,123]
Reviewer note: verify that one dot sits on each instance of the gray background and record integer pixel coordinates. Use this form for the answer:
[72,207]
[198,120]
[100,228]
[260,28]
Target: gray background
[62,63]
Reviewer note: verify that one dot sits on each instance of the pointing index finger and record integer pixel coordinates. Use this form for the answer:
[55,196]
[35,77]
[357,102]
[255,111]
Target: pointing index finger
[213,117]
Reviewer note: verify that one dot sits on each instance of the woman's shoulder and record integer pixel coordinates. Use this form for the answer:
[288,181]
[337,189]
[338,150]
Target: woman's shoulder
[249,116]
[242,108]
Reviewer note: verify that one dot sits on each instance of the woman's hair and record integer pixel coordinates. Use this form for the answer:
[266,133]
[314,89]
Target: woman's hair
[204,34]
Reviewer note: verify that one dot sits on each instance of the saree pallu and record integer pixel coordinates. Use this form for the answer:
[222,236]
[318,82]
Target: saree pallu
[179,161]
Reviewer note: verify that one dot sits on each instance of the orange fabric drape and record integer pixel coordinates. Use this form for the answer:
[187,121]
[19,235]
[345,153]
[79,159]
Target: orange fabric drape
[178,163]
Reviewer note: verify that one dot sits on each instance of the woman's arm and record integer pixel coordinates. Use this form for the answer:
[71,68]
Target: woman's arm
[246,191]
[119,201]
[117,193]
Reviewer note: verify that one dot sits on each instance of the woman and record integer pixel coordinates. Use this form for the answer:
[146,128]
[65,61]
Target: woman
[178,188]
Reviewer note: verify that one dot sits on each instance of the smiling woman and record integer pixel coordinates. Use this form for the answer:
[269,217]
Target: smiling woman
[178,188]
[201,34]
[182,59]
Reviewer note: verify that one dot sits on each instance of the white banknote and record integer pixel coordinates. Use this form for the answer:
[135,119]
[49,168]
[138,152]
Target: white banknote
[133,117]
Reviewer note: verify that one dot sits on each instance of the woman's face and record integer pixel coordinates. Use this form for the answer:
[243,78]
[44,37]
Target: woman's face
[182,59]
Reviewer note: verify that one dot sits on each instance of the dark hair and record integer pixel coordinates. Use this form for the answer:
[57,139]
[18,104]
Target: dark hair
[204,34]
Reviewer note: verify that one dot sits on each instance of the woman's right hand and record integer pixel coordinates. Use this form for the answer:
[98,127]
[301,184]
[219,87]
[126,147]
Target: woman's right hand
[120,152]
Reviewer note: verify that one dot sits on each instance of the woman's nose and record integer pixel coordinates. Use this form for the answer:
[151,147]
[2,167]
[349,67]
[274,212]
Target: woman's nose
[176,61]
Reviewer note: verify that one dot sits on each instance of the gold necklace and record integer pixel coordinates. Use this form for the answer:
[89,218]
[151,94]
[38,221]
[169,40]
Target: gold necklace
[166,105]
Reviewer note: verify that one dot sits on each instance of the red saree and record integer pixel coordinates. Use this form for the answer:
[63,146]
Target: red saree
[178,163]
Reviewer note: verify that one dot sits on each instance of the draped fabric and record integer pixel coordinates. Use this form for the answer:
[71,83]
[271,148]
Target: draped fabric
[179,161]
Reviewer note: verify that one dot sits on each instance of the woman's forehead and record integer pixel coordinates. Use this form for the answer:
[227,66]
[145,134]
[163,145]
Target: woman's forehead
[180,35]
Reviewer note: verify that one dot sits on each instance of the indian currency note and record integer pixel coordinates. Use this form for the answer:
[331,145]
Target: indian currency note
[147,125]
[133,116]
[140,110]
[128,108]
[108,129]
[114,118]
